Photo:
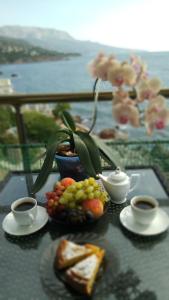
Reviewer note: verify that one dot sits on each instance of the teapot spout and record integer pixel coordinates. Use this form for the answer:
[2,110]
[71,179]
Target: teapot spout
[102,177]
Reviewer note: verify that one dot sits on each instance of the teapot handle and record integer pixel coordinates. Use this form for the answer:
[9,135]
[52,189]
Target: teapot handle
[137,178]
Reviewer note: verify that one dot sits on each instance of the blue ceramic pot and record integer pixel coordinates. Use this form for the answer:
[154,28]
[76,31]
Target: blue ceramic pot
[70,166]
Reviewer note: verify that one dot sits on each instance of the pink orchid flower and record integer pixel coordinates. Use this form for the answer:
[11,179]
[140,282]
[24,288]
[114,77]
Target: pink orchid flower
[99,67]
[120,96]
[126,112]
[156,115]
[139,66]
[148,89]
[133,74]
[121,74]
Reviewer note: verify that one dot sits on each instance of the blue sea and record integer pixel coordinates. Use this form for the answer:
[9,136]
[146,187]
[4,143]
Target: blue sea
[72,76]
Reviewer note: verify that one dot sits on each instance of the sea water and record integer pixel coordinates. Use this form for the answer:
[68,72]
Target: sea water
[72,76]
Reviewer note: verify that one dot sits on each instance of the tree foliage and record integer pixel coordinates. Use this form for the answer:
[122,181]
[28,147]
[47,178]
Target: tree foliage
[39,127]
[8,138]
[7,118]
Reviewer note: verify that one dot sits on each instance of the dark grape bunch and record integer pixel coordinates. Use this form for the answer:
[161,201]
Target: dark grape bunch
[75,216]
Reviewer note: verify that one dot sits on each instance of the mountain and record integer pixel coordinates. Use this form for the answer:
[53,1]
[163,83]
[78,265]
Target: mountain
[57,40]
[14,50]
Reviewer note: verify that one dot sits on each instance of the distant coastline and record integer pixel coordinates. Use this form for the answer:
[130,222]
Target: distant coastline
[18,51]
[38,60]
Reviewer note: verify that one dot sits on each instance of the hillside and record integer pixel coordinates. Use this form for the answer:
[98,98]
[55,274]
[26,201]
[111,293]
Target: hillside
[57,40]
[14,50]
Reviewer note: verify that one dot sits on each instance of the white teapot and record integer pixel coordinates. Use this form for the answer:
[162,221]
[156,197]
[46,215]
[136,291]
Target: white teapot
[118,184]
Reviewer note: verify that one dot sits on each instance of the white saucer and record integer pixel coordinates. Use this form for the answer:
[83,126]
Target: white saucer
[158,225]
[10,226]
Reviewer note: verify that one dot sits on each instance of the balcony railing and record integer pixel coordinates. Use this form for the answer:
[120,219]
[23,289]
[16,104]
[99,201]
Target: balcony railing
[29,157]
[24,157]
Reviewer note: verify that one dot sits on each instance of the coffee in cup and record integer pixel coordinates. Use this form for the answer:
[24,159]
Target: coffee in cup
[144,209]
[24,210]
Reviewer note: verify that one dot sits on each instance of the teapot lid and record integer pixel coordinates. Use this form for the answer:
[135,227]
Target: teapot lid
[117,176]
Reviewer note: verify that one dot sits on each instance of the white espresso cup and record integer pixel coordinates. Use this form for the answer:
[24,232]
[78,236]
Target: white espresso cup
[144,209]
[24,210]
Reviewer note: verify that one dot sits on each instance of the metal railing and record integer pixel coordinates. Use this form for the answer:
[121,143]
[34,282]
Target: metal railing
[132,154]
[24,156]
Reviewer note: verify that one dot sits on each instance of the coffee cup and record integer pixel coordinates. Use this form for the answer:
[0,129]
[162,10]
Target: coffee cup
[144,209]
[24,210]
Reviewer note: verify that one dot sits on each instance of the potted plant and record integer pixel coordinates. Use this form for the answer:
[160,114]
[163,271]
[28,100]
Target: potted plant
[81,149]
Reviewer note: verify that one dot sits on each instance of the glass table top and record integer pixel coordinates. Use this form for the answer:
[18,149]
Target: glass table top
[143,262]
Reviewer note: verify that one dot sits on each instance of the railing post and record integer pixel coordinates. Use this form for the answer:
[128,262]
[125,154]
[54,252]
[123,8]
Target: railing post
[20,125]
[24,149]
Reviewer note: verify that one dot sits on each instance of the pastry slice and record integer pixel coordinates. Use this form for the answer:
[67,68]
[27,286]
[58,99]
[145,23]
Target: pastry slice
[69,253]
[82,275]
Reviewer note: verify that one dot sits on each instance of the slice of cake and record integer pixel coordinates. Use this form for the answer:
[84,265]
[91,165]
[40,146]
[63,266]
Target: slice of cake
[82,275]
[69,253]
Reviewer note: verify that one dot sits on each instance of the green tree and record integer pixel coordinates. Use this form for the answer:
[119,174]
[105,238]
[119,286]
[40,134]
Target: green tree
[8,138]
[39,127]
[11,155]
[7,118]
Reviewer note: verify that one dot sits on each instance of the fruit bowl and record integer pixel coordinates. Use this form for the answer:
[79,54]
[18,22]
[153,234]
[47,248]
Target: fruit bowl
[76,203]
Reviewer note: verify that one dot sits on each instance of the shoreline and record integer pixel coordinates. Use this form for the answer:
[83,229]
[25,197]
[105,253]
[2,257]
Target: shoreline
[40,60]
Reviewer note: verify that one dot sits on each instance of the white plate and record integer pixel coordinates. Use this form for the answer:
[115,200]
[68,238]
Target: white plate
[10,226]
[157,226]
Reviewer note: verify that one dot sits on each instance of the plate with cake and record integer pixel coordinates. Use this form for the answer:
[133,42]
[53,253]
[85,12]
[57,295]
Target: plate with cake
[79,266]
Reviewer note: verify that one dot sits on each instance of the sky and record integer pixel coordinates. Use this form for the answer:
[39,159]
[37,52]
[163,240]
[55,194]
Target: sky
[136,24]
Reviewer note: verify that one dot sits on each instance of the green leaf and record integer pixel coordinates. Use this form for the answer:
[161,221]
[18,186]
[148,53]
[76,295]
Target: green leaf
[84,156]
[64,131]
[61,134]
[47,166]
[92,149]
[108,152]
[68,121]
[106,159]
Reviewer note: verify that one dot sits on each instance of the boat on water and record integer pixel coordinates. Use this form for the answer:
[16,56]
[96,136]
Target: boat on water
[6,87]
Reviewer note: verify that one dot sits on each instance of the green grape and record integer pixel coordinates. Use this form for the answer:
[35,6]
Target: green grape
[89,189]
[91,180]
[105,195]
[91,196]
[102,200]
[71,188]
[68,196]
[85,196]
[62,200]
[96,185]
[79,185]
[86,183]
[79,195]
[97,193]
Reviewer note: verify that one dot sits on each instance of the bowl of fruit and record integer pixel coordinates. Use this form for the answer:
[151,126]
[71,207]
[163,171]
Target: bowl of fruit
[73,202]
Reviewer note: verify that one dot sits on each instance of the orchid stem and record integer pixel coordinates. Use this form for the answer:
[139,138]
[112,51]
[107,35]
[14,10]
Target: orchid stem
[138,107]
[96,96]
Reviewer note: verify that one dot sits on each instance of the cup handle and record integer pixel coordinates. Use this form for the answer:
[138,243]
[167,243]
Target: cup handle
[31,216]
[137,178]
